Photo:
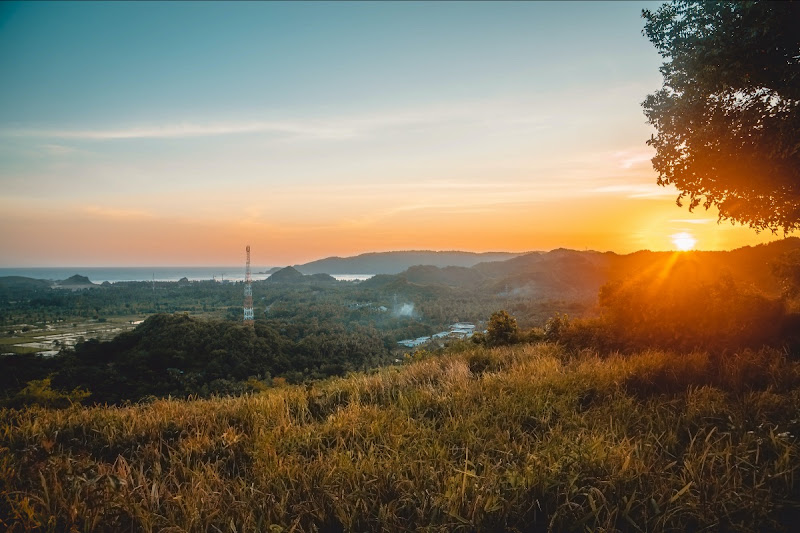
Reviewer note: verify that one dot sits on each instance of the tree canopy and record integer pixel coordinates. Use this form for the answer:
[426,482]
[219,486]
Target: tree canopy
[502,329]
[728,113]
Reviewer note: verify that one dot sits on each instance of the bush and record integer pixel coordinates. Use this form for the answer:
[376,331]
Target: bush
[675,313]
[39,392]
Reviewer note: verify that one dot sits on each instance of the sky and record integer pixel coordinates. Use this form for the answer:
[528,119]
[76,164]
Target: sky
[149,133]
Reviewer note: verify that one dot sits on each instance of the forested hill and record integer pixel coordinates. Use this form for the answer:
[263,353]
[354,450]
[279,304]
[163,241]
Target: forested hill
[23,283]
[179,355]
[396,262]
[571,274]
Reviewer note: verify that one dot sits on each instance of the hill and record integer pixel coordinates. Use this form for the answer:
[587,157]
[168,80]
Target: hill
[526,438]
[578,275]
[451,275]
[292,275]
[21,282]
[179,355]
[286,275]
[75,282]
[396,262]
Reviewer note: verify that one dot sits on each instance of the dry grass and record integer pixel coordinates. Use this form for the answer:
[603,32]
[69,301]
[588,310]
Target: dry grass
[523,438]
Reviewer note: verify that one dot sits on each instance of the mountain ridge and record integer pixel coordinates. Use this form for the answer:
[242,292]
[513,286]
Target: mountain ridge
[395,262]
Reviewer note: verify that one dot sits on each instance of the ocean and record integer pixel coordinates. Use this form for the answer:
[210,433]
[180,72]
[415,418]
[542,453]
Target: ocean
[114,274]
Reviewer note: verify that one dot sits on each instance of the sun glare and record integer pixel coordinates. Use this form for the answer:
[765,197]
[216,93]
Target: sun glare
[683,241]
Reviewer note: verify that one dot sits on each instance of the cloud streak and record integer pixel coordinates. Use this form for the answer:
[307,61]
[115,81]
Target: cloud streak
[693,221]
[190,130]
[116,213]
[632,158]
[334,128]
[634,191]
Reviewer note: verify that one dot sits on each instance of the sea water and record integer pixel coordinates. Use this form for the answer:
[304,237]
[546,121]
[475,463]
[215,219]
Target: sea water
[114,274]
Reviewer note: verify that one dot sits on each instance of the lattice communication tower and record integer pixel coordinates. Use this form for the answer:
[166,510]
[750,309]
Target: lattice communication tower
[248,294]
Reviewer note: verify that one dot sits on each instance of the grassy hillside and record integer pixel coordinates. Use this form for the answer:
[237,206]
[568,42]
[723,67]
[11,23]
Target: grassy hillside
[525,438]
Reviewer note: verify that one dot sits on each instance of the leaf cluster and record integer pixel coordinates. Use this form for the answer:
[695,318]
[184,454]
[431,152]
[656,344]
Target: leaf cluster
[728,114]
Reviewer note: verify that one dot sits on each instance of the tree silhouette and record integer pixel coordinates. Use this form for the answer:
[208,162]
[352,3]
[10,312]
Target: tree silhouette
[728,114]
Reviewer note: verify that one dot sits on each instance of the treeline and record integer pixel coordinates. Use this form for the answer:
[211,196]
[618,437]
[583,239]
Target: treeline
[29,302]
[293,304]
[178,355]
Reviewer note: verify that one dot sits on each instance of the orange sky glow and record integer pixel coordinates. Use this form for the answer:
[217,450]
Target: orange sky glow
[616,223]
[130,137]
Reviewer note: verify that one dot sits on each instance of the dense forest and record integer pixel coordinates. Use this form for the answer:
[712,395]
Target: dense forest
[179,355]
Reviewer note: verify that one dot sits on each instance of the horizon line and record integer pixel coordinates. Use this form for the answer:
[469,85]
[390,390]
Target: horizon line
[384,252]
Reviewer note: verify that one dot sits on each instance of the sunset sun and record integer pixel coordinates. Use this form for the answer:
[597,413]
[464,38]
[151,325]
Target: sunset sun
[683,241]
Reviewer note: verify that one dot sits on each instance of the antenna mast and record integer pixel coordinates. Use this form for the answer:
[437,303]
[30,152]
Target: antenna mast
[248,294]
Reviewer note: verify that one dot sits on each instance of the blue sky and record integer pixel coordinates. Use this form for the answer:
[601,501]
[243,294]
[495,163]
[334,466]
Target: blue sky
[173,133]
[126,62]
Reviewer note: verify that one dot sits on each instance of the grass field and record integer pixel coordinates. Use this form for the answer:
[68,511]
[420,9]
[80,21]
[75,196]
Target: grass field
[524,438]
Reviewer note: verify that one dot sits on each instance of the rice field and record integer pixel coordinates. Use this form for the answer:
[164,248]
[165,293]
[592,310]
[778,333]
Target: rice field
[48,339]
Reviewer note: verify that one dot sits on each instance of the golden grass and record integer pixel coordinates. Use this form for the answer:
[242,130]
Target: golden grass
[524,438]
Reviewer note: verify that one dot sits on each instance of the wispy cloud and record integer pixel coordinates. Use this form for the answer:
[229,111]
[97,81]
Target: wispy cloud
[332,128]
[632,158]
[635,190]
[188,130]
[693,221]
[57,149]
[116,213]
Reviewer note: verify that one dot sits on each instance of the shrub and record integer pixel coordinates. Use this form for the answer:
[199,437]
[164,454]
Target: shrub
[39,392]
[676,313]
